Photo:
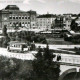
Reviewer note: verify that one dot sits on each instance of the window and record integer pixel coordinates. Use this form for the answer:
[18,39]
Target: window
[48,22]
[13,17]
[25,17]
[33,24]
[14,45]
[40,24]
[16,17]
[10,17]
[19,17]
[22,17]
[33,18]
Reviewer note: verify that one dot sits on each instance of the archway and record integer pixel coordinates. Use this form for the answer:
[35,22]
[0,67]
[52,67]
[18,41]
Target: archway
[70,72]
[72,76]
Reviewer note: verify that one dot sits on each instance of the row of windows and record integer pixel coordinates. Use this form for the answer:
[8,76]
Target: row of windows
[45,19]
[18,46]
[20,23]
[19,17]
[43,25]
[44,22]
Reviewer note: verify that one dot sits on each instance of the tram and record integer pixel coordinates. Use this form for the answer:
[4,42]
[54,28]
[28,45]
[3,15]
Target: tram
[16,46]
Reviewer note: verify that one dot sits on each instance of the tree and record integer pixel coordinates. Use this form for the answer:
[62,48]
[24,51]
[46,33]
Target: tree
[4,31]
[7,68]
[6,38]
[5,42]
[74,25]
[16,26]
[44,67]
[20,24]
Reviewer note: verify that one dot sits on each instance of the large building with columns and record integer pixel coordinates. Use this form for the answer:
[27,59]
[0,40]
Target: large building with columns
[12,16]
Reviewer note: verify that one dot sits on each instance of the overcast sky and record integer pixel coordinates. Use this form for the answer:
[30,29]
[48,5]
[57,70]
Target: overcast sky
[44,6]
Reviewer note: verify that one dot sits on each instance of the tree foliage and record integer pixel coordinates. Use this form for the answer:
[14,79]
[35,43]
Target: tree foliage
[44,66]
[27,36]
[4,31]
[41,68]
[15,69]
[6,38]
[74,26]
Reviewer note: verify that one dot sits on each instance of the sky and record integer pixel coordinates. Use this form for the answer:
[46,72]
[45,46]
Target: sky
[45,6]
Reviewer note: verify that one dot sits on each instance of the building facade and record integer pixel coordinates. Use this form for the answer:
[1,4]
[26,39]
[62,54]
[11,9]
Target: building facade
[59,22]
[78,21]
[67,22]
[63,22]
[44,22]
[12,16]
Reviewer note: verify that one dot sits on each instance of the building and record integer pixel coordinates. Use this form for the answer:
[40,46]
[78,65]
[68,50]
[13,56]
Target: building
[67,22]
[12,16]
[59,22]
[33,16]
[63,22]
[44,22]
[78,21]
[73,16]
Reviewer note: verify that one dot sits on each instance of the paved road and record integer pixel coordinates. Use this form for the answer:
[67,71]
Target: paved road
[58,46]
[66,58]
[23,56]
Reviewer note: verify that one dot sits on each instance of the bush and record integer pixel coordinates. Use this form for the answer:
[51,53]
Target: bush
[15,69]
[27,36]
[76,39]
[44,66]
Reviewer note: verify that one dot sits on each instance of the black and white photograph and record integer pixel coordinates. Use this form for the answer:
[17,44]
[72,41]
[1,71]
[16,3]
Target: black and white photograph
[39,39]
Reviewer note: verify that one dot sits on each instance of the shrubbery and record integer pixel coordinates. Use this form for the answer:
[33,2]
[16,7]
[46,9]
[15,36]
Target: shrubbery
[27,36]
[5,39]
[41,68]
[15,69]
[44,67]
[74,39]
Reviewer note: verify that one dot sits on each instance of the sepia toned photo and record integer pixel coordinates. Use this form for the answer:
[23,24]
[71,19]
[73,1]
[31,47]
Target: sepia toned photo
[39,39]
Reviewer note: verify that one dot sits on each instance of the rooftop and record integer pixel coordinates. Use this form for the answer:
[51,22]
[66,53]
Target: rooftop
[46,16]
[16,42]
[12,7]
[31,11]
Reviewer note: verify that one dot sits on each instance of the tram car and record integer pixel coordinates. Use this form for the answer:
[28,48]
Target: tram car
[16,46]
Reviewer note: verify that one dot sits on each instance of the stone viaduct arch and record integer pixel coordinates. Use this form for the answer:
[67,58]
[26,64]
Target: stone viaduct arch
[67,72]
